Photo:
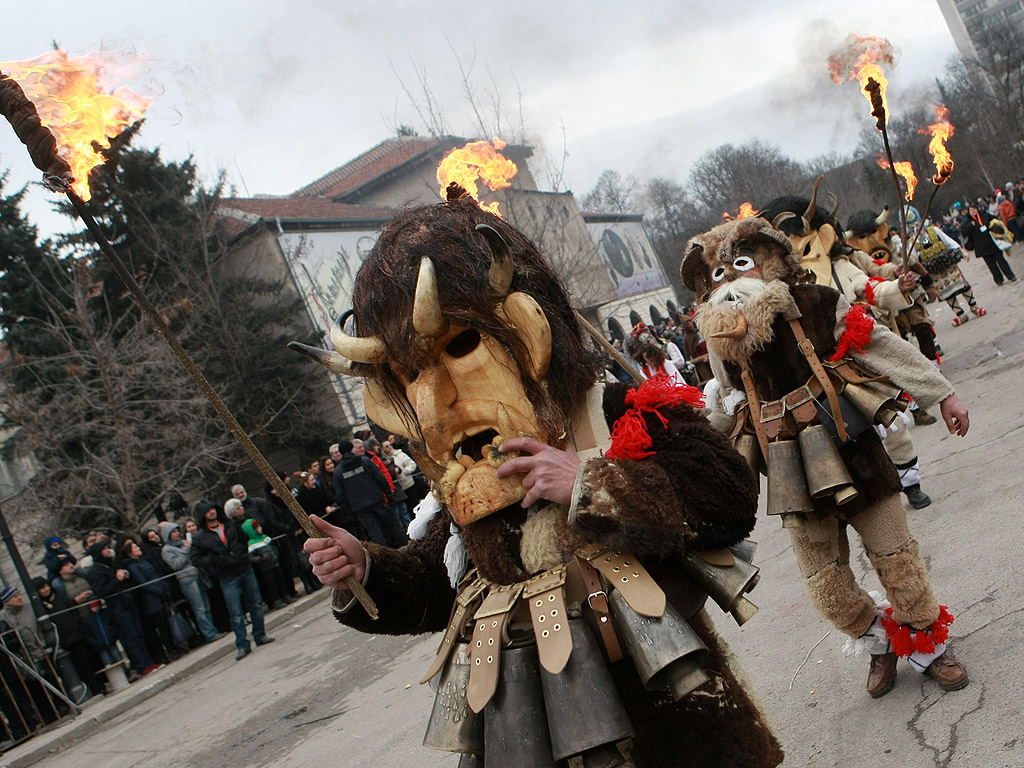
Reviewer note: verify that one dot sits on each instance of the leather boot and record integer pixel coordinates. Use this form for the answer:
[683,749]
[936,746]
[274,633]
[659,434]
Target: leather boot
[882,674]
[922,418]
[918,499]
[949,673]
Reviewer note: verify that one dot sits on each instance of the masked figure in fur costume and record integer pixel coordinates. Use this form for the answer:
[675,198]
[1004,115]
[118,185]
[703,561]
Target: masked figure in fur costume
[883,291]
[801,353]
[469,347]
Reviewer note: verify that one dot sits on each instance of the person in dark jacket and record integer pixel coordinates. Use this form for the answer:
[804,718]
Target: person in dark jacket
[151,596]
[978,238]
[56,554]
[220,547]
[110,583]
[357,479]
[265,564]
[71,634]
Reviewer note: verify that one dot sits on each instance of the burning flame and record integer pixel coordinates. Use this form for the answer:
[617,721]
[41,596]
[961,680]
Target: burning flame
[84,103]
[477,160]
[861,60]
[745,211]
[906,170]
[940,131]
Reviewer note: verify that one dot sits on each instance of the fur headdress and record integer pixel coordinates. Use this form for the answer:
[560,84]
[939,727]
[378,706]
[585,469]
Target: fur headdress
[755,237]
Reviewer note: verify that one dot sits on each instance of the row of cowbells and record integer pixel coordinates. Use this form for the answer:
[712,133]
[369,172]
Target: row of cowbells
[536,719]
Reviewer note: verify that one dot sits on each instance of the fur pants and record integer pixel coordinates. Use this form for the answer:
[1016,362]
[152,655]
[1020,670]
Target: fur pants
[823,554]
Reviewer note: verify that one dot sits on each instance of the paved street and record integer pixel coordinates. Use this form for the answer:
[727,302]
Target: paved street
[325,695]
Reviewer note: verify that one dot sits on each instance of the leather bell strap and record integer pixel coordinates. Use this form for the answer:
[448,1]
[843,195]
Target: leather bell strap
[624,572]
[485,647]
[597,599]
[546,598]
[754,405]
[807,350]
[465,601]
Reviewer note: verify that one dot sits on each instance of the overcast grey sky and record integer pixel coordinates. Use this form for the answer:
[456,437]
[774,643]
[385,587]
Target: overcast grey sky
[277,94]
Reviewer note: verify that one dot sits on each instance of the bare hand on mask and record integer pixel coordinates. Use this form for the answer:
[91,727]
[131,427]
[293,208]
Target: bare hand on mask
[954,413]
[335,557]
[550,472]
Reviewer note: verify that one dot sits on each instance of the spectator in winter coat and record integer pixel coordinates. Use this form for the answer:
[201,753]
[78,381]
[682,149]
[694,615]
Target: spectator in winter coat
[111,583]
[151,594]
[70,633]
[56,553]
[175,553]
[978,238]
[94,616]
[220,546]
[18,625]
[357,479]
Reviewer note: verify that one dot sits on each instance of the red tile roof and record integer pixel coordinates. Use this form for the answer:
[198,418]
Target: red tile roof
[385,157]
[240,213]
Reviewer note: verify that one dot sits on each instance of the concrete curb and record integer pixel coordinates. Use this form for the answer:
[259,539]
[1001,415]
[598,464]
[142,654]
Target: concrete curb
[105,709]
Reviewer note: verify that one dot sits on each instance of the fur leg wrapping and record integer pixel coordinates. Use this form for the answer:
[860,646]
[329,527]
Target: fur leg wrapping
[919,645]
[841,601]
[907,586]
[875,640]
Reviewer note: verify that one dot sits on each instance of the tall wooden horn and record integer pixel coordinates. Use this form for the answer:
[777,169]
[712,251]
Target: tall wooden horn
[359,349]
[500,276]
[427,320]
[812,207]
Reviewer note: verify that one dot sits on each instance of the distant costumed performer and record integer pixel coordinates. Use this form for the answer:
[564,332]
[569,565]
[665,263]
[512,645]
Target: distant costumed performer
[534,545]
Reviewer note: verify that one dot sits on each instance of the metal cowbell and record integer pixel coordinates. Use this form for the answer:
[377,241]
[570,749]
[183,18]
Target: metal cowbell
[453,726]
[747,446]
[787,485]
[879,407]
[515,724]
[824,467]
[583,705]
[666,651]
[725,584]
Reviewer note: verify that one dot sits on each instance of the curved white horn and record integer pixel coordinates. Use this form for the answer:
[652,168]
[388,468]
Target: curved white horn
[360,349]
[883,217]
[326,358]
[427,319]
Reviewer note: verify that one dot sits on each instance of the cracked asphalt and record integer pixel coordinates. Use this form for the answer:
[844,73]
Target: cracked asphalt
[325,695]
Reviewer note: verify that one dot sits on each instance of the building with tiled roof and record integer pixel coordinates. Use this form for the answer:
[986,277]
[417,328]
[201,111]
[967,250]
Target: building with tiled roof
[319,234]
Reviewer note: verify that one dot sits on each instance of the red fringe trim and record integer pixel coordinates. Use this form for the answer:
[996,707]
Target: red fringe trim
[906,641]
[857,335]
[869,289]
[630,439]
[880,262]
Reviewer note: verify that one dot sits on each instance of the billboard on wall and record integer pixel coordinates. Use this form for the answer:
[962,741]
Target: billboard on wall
[628,256]
[325,266]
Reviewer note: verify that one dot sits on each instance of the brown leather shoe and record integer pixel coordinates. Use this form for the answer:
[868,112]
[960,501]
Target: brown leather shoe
[949,673]
[882,674]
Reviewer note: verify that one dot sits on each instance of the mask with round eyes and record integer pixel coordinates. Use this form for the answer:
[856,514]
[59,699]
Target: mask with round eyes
[740,265]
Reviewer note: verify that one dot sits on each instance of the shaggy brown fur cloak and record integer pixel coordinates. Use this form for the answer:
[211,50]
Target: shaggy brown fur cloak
[696,491]
[778,367]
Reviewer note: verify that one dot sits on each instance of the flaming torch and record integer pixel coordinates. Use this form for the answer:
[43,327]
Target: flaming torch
[940,131]
[904,169]
[71,111]
[477,160]
[861,60]
[745,211]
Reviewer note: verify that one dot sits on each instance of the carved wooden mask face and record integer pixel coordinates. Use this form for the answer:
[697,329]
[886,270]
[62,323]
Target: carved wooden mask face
[877,244]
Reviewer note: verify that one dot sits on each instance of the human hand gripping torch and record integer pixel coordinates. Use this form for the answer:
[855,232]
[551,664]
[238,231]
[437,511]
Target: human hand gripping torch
[44,150]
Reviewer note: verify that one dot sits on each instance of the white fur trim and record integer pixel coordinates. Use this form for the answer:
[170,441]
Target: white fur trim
[455,558]
[875,640]
[423,513]
[712,392]
[732,401]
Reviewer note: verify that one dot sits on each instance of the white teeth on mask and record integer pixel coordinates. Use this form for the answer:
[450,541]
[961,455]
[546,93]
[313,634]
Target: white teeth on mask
[446,485]
[466,461]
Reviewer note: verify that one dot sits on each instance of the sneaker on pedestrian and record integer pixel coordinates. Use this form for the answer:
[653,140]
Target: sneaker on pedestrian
[151,668]
[265,640]
[242,653]
[290,598]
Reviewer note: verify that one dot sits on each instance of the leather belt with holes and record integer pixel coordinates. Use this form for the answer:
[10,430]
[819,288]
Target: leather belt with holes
[464,604]
[624,572]
[550,621]
[485,646]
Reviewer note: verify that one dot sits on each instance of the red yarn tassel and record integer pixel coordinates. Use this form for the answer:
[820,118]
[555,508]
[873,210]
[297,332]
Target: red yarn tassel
[857,335]
[906,641]
[630,439]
